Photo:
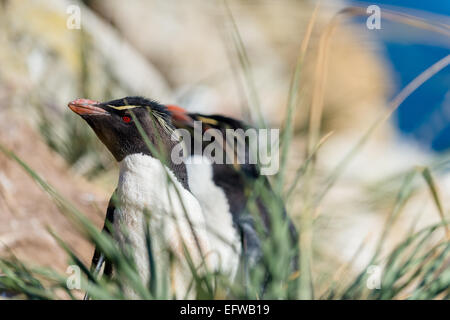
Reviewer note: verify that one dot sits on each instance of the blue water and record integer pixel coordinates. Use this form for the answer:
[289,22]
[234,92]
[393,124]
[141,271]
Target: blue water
[425,115]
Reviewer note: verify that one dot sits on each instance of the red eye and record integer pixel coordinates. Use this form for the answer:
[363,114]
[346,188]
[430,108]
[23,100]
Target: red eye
[126,119]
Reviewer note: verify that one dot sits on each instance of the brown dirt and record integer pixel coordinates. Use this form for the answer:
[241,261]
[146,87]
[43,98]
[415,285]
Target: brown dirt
[26,210]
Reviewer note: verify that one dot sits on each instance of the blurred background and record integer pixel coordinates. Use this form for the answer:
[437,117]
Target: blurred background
[186,53]
[408,53]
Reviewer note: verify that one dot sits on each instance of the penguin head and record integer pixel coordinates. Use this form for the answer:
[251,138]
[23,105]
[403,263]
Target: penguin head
[179,116]
[183,119]
[116,123]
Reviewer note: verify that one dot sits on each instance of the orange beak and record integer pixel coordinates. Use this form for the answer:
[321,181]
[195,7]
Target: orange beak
[86,107]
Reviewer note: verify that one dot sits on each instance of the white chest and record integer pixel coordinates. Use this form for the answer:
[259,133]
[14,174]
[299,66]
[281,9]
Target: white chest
[223,236]
[147,187]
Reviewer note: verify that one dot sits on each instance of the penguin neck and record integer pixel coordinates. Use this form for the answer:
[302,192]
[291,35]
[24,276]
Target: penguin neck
[143,180]
[138,163]
[145,184]
[142,163]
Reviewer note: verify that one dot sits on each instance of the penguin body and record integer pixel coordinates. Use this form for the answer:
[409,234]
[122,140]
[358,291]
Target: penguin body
[143,185]
[236,181]
[223,234]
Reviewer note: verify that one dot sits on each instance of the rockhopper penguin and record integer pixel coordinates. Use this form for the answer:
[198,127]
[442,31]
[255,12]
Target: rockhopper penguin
[225,189]
[143,185]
